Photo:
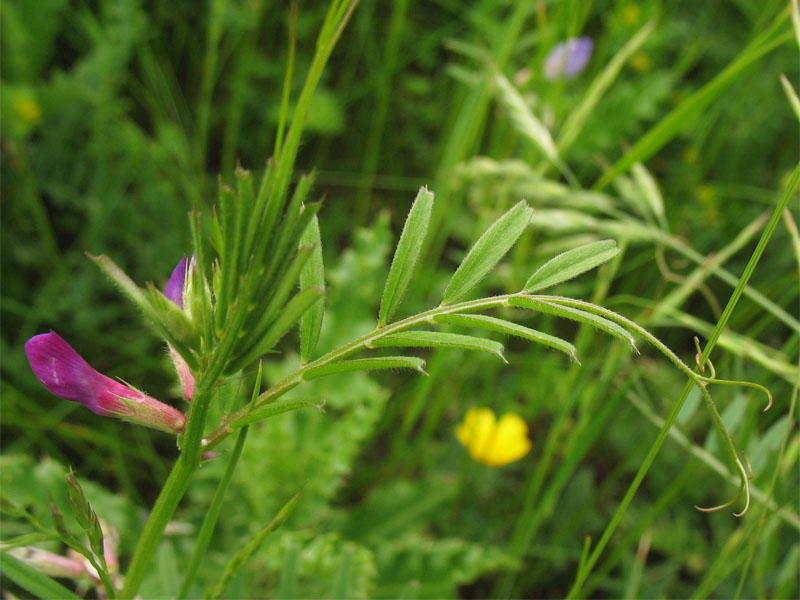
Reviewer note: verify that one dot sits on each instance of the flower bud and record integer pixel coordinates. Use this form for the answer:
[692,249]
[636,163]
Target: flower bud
[66,374]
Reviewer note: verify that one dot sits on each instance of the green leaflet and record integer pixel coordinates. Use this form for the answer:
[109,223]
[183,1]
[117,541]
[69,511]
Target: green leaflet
[275,408]
[435,339]
[406,255]
[488,250]
[290,314]
[367,364]
[571,264]
[312,275]
[509,328]
[575,314]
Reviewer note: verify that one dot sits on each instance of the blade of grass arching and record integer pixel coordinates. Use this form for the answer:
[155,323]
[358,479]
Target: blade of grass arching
[31,580]
[712,462]
[210,58]
[740,345]
[560,425]
[467,129]
[673,415]
[756,296]
[245,59]
[656,509]
[791,96]
[246,552]
[689,109]
[380,108]
[337,18]
[210,521]
[539,505]
[637,569]
[287,582]
[759,534]
[577,118]
[287,82]
[691,282]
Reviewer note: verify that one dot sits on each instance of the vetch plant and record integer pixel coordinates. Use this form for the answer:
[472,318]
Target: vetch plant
[257,277]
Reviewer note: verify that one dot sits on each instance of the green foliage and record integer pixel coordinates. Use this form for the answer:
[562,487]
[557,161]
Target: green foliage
[120,118]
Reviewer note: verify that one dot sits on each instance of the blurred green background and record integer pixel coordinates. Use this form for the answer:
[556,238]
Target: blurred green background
[117,115]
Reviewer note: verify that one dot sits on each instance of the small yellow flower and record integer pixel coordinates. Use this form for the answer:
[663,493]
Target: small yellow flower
[641,62]
[492,442]
[28,111]
[631,13]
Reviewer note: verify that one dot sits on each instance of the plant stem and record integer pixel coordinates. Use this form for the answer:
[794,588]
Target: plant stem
[361,343]
[723,321]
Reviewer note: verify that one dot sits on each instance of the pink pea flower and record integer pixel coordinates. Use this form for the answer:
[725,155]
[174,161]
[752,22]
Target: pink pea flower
[567,59]
[174,291]
[66,374]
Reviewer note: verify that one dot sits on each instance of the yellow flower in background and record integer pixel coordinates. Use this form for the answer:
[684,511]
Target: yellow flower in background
[631,13]
[28,111]
[492,442]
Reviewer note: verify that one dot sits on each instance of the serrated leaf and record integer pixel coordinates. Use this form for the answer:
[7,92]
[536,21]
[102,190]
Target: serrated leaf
[487,251]
[275,408]
[367,364]
[570,264]
[406,255]
[31,580]
[509,328]
[575,314]
[436,339]
[312,275]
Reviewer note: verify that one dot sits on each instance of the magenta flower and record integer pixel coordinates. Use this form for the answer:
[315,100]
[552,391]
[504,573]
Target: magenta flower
[567,59]
[64,372]
[174,291]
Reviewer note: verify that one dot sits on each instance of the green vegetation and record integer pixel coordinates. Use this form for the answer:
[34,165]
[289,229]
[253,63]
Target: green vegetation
[402,228]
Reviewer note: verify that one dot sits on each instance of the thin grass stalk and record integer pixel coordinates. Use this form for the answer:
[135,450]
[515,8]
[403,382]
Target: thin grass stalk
[709,347]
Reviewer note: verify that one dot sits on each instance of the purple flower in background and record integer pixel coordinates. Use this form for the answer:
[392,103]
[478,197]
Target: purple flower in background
[66,374]
[567,59]
[177,283]
[174,291]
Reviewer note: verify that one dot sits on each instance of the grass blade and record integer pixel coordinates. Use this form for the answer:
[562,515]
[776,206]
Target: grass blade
[791,95]
[31,580]
[437,339]
[684,114]
[406,255]
[570,264]
[509,328]
[488,250]
[577,118]
[241,557]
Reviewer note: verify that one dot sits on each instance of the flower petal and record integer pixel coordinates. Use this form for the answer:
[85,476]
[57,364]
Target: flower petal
[568,58]
[176,283]
[63,371]
[510,441]
[477,431]
[66,374]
